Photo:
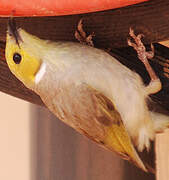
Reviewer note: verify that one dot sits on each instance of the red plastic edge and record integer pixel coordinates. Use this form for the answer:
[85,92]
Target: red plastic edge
[59,7]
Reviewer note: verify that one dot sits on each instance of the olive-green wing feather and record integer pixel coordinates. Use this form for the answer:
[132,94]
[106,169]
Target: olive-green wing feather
[117,138]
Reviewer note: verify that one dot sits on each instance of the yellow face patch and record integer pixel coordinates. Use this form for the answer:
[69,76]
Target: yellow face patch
[23,65]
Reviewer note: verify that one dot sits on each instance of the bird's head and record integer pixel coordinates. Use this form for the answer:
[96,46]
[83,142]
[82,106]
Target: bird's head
[23,54]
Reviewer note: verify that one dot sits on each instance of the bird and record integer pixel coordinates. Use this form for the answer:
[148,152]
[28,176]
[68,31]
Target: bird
[90,90]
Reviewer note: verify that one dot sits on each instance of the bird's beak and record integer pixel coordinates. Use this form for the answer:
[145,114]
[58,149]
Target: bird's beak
[13,31]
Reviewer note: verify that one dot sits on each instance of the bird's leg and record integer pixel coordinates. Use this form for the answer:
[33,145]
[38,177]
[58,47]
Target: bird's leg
[155,84]
[81,36]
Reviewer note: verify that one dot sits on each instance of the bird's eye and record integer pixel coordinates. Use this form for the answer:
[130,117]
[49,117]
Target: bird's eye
[17,58]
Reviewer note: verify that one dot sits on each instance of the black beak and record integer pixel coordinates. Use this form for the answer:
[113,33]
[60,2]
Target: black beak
[12,30]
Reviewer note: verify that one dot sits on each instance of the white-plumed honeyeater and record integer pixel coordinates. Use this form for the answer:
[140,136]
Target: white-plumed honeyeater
[89,90]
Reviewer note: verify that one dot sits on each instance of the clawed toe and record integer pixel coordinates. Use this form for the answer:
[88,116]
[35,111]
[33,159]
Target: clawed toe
[81,36]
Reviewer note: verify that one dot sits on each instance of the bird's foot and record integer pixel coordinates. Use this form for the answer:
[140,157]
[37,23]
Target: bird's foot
[81,36]
[155,84]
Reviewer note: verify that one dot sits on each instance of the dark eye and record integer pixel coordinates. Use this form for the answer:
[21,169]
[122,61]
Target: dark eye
[17,58]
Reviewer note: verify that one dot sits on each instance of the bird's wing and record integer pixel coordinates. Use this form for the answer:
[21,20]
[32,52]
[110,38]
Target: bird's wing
[117,138]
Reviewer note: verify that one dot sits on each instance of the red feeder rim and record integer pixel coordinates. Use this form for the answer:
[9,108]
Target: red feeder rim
[59,7]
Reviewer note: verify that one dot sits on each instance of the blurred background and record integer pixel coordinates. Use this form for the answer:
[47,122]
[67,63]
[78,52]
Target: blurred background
[15,138]
[34,145]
